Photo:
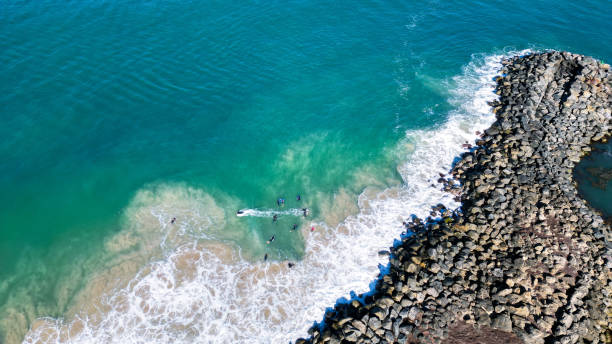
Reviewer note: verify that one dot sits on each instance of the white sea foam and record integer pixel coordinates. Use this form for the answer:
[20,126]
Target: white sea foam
[270,212]
[149,218]
[210,294]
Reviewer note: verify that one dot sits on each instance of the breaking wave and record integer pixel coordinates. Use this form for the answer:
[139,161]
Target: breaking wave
[206,291]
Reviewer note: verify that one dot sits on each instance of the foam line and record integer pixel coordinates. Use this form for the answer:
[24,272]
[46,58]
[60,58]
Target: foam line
[210,294]
[269,212]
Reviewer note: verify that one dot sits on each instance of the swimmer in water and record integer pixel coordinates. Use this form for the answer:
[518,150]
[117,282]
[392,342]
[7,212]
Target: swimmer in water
[265,257]
[298,198]
[274,218]
[305,211]
[290,265]
[270,240]
[173,220]
[294,227]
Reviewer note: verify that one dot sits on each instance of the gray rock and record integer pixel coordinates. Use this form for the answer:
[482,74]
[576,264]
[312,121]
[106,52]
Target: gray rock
[432,291]
[359,325]
[379,313]
[413,313]
[352,336]
[502,322]
[374,323]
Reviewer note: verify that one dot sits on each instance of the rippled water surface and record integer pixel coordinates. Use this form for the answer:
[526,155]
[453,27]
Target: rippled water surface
[118,116]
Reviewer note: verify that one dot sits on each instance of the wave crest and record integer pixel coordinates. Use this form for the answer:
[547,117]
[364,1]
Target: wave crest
[209,293]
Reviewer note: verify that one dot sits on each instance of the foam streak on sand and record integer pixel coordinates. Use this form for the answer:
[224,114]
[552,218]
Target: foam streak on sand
[210,294]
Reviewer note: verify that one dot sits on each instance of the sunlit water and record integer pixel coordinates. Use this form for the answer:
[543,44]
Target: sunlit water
[120,116]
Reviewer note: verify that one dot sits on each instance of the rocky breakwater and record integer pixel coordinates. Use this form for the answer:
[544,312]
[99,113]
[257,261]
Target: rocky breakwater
[525,259]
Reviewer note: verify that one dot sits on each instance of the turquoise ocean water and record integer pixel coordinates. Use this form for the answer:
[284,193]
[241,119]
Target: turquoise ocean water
[119,115]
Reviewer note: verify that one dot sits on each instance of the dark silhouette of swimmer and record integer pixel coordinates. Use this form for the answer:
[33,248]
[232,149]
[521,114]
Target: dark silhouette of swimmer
[173,220]
[290,265]
[298,198]
[271,239]
[305,211]
[265,257]
[280,202]
[274,218]
[294,227]
[239,212]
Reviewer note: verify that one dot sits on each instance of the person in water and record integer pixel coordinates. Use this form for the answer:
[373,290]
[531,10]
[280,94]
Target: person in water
[271,239]
[305,211]
[294,226]
[274,218]
[298,198]
[173,220]
[265,257]
[290,265]
[280,202]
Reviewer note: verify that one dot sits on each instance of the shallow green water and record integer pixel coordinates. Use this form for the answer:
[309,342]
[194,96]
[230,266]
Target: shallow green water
[110,107]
